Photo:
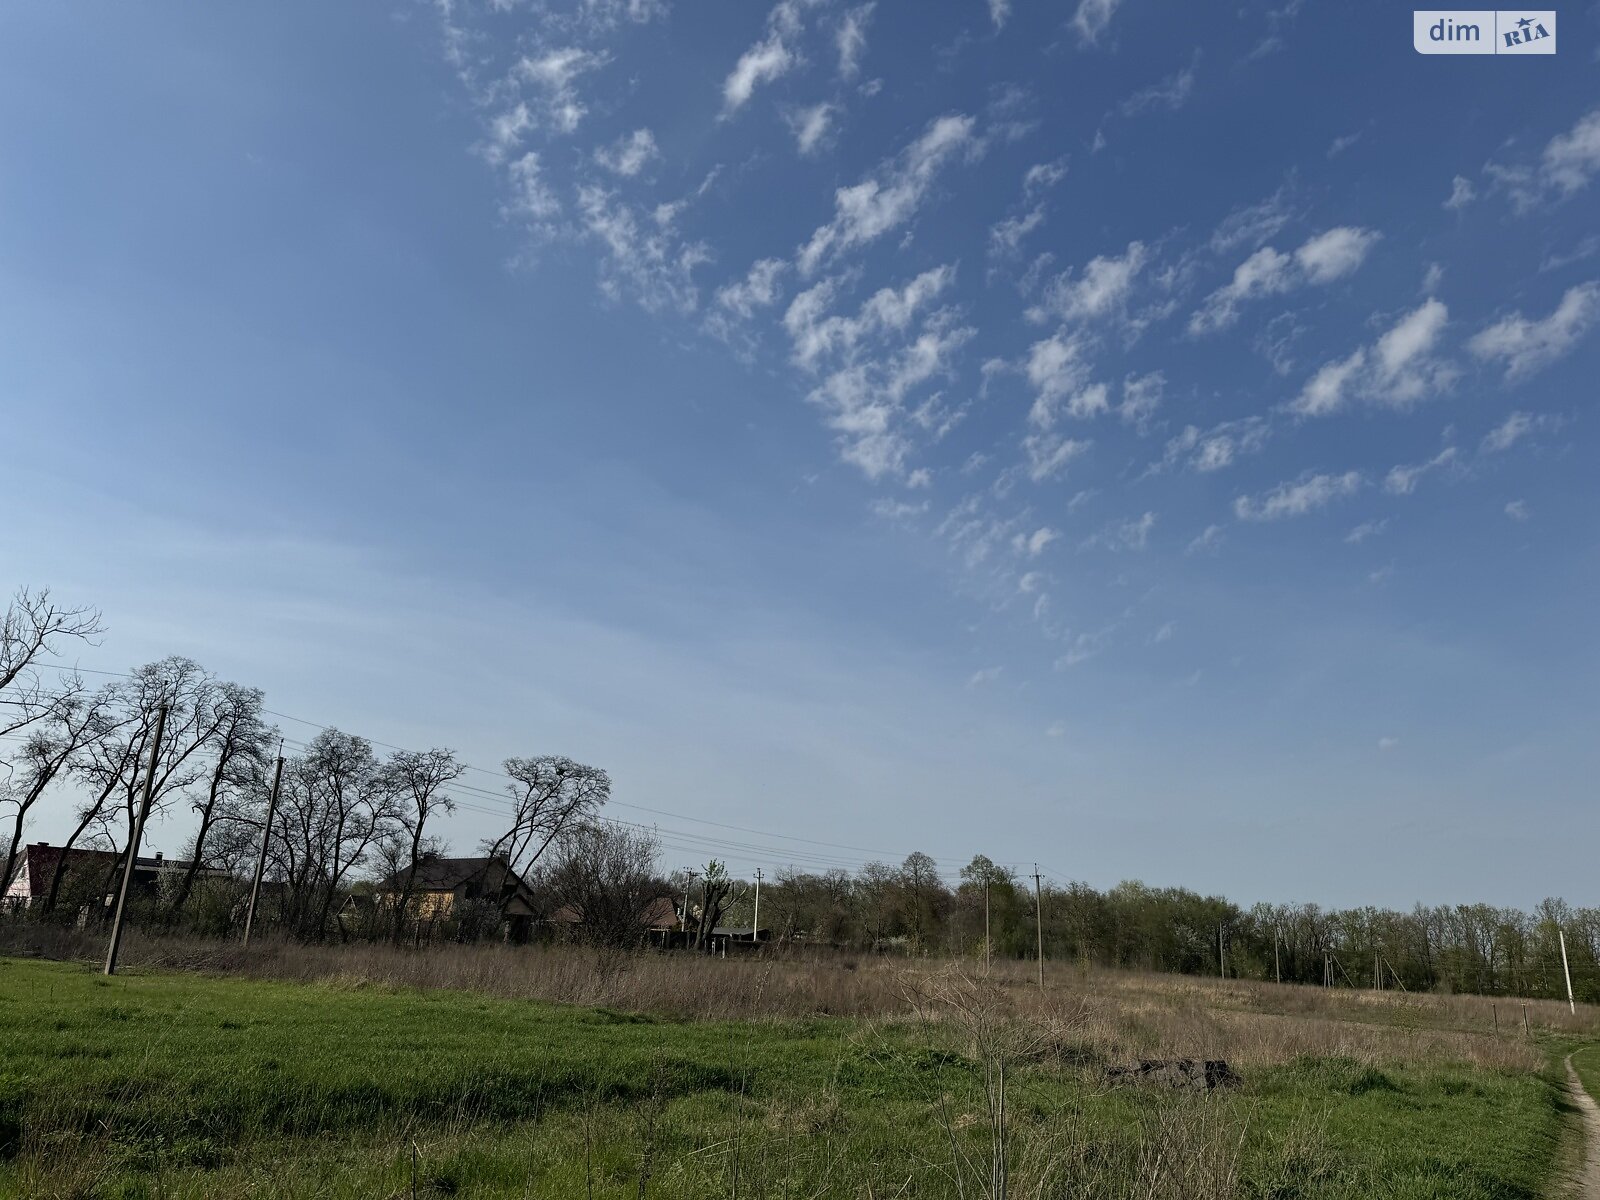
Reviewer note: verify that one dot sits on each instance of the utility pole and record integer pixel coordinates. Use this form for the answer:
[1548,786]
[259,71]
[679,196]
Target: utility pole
[1277,964]
[1222,963]
[266,837]
[1567,971]
[135,836]
[986,924]
[1377,972]
[689,878]
[1038,920]
[755,932]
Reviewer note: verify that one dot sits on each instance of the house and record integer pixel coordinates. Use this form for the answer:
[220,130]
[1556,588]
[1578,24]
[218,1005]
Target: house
[657,919]
[38,863]
[444,888]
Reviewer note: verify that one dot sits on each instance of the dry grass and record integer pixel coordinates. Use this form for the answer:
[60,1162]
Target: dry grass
[1098,1015]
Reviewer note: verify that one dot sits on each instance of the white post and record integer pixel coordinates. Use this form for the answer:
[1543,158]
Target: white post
[755,931]
[1567,971]
[986,942]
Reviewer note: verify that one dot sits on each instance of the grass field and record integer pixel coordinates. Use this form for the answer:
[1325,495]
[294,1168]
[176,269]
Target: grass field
[176,1084]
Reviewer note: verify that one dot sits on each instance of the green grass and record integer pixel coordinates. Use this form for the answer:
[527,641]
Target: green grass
[174,1085]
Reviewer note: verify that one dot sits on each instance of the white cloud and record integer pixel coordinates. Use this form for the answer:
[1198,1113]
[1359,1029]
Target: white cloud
[1320,260]
[763,62]
[1102,289]
[553,73]
[879,360]
[999,12]
[1135,531]
[869,209]
[531,198]
[506,131]
[1572,159]
[1397,371]
[1402,370]
[985,675]
[1305,495]
[1517,510]
[1388,743]
[1365,530]
[1526,346]
[629,155]
[1056,368]
[1252,225]
[1141,397]
[1092,18]
[1402,480]
[1214,448]
[1462,193]
[1325,392]
[1049,453]
[1043,176]
[1164,634]
[1342,143]
[1514,428]
[898,510]
[1173,92]
[1569,162]
[811,126]
[1507,433]
[1005,236]
[1264,273]
[642,254]
[1211,537]
[1033,544]
[1336,253]
[815,333]
[851,40]
[760,288]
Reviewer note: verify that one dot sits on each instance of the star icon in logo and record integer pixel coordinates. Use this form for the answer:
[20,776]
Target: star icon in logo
[1524,23]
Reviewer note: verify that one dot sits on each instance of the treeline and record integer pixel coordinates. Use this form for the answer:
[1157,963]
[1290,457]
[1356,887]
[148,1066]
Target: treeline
[1461,948]
[343,817]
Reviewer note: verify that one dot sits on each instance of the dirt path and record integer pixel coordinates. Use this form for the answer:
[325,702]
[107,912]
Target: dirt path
[1588,1175]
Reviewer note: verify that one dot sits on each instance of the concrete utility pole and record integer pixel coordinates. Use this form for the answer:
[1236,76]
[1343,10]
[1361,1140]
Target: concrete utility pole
[1567,971]
[135,836]
[688,886]
[1277,965]
[986,942]
[266,837]
[755,925]
[1222,963]
[1038,920]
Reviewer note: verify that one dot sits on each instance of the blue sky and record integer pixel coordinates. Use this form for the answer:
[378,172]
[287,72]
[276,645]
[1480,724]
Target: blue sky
[1151,440]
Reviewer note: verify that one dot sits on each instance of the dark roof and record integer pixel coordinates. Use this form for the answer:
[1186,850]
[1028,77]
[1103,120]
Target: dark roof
[444,874]
[40,860]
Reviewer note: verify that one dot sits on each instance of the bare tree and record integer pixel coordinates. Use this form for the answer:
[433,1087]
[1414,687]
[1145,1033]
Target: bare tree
[605,876]
[336,805]
[98,770]
[418,779]
[921,878]
[121,760]
[549,795]
[240,742]
[76,722]
[32,630]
